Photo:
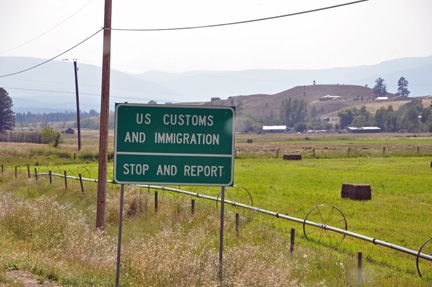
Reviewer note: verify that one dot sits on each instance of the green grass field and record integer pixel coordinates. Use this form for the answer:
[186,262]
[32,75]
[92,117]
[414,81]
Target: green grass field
[399,212]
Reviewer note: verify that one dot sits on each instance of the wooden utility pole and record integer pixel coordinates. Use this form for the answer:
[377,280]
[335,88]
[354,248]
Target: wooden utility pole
[104,117]
[77,104]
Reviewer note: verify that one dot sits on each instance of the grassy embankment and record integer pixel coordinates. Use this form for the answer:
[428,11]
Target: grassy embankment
[51,231]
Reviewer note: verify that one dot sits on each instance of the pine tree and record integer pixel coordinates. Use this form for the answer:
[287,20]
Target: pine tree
[7,117]
[402,87]
[380,88]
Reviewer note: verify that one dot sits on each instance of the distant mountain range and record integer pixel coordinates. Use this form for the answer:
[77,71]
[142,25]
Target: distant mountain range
[51,87]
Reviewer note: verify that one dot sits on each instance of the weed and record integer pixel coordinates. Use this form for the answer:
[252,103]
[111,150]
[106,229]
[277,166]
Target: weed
[12,266]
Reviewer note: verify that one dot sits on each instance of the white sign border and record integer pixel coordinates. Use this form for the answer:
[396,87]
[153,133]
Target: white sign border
[232,155]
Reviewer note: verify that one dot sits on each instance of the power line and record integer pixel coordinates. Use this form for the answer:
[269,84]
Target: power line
[188,28]
[49,60]
[235,23]
[87,94]
[49,91]
[49,30]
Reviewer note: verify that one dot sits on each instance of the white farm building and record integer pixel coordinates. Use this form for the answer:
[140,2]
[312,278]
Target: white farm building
[274,129]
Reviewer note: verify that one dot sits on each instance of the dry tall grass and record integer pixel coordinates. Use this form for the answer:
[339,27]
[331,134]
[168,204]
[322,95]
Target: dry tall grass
[167,248]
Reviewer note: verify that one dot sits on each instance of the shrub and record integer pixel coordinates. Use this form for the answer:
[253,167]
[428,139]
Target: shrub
[49,135]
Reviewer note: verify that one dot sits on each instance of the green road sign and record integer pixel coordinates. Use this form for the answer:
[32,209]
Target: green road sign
[173,144]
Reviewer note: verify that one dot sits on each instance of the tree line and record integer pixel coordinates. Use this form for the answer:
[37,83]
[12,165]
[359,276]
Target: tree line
[410,117]
[26,118]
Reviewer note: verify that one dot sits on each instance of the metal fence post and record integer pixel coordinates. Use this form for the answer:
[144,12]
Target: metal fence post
[36,174]
[28,171]
[237,220]
[16,171]
[119,235]
[65,179]
[156,201]
[81,182]
[292,241]
[193,206]
[50,176]
[360,263]
[221,235]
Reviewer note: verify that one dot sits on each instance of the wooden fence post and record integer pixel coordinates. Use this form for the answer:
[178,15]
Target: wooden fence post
[28,171]
[349,149]
[383,150]
[2,169]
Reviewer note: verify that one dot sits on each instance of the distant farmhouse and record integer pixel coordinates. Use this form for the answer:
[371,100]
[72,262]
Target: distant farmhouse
[69,131]
[330,98]
[275,129]
[364,130]
[332,119]
[381,99]
[401,98]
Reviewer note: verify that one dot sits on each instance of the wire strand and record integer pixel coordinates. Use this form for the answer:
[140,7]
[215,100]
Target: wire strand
[49,30]
[235,23]
[186,28]
[53,58]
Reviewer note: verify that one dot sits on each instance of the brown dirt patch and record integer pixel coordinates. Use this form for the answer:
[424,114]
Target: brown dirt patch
[28,279]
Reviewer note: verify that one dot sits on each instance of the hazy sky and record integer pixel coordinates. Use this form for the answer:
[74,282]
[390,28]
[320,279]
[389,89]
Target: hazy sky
[360,34]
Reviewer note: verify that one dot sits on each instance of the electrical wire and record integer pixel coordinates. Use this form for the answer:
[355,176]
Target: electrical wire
[83,93]
[235,23]
[49,30]
[187,28]
[53,58]
[50,91]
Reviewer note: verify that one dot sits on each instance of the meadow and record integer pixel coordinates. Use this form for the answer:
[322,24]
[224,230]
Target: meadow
[49,229]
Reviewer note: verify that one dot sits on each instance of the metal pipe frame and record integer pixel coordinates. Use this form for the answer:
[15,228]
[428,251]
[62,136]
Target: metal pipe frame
[283,216]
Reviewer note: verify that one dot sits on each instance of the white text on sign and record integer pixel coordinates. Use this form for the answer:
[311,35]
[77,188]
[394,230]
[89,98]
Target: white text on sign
[171,170]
